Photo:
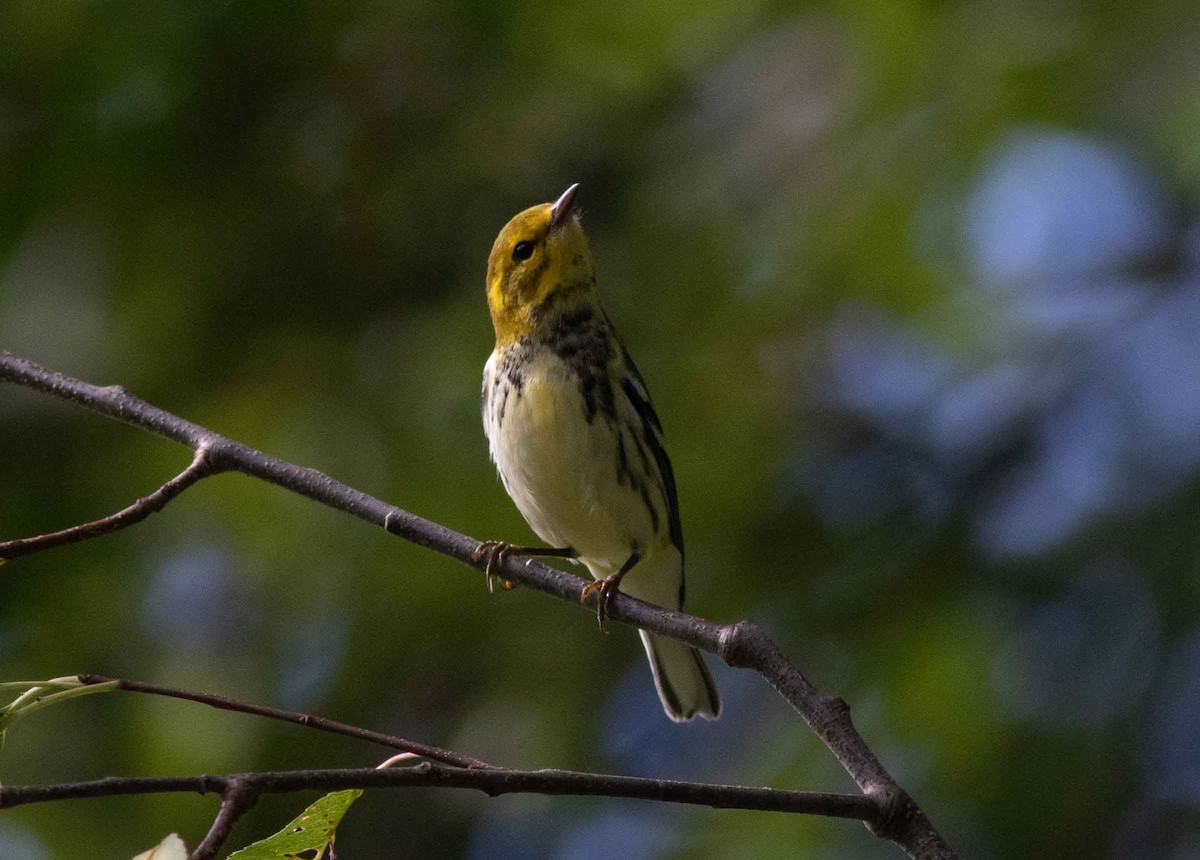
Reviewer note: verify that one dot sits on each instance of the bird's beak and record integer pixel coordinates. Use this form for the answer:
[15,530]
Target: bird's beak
[562,208]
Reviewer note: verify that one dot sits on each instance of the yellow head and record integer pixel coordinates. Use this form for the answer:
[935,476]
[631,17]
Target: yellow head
[540,266]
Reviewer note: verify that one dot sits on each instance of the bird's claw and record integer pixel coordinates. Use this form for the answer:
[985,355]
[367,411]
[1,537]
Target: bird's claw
[496,551]
[604,589]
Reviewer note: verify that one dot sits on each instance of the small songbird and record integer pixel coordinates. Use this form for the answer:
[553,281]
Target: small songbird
[577,444]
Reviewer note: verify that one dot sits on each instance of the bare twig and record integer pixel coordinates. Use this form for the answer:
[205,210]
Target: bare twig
[200,467]
[240,791]
[491,782]
[238,796]
[744,644]
[321,723]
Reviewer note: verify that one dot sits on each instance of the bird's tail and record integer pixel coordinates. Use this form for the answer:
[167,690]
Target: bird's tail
[681,678]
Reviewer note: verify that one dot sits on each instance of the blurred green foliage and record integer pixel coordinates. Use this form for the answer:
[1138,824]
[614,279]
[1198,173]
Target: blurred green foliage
[273,219]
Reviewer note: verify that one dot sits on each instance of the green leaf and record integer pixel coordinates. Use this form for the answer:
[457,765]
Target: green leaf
[43,694]
[308,835]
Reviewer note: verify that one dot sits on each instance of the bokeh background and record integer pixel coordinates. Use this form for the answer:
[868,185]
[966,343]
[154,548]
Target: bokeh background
[916,288]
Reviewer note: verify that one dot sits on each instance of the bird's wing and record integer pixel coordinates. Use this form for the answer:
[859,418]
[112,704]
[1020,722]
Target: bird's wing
[635,392]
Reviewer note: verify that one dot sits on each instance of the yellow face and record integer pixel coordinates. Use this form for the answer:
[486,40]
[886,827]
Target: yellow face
[538,253]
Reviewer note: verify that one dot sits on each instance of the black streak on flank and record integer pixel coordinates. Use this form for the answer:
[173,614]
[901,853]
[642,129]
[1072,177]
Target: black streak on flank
[650,507]
[622,461]
[608,402]
[635,482]
[639,442]
[651,430]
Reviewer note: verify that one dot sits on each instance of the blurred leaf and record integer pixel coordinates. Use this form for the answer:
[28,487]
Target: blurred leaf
[39,695]
[171,848]
[312,830]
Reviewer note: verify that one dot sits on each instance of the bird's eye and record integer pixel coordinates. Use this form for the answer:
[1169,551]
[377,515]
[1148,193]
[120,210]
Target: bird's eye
[522,251]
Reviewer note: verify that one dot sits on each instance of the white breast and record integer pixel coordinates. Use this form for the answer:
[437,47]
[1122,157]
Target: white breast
[559,468]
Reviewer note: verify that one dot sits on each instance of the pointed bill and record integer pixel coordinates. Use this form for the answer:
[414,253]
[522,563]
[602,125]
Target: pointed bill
[563,206]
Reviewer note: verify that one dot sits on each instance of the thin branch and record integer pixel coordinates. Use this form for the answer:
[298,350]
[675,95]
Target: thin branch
[321,723]
[237,798]
[744,645]
[239,792]
[491,782]
[200,467]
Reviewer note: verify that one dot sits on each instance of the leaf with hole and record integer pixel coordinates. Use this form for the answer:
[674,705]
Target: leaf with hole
[308,835]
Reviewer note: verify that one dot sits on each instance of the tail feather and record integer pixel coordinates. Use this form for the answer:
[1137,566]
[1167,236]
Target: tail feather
[681,678]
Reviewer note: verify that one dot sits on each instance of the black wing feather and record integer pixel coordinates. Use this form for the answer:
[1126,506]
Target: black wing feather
[652,432]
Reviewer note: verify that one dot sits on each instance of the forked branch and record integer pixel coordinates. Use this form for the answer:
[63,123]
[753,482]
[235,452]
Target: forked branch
[744,644]
[202,466]
[239,790]
[426,766]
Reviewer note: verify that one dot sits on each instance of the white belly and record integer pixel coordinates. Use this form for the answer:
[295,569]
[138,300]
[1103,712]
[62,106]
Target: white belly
[561,470]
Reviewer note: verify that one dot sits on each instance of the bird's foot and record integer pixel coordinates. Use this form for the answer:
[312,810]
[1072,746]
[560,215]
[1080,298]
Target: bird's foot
[604,589]
[496,551]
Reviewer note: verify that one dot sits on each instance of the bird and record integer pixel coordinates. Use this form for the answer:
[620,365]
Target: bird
[576,441]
